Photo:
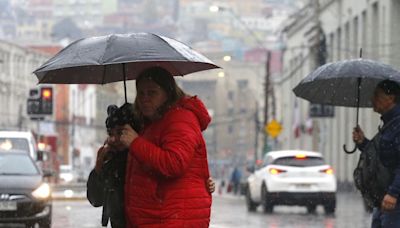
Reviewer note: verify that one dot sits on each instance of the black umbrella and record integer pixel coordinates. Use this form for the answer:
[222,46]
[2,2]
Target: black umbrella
[349,83]
[120,57]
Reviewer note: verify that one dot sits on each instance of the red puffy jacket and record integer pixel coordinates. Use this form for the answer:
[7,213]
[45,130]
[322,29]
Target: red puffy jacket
[167,170]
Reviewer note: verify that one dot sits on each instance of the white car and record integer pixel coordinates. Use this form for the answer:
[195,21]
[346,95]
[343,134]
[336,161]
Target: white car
[292,177]
[19,140]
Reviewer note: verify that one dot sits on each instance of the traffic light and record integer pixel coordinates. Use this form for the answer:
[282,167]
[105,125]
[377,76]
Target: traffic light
[40,101]
[33,104]
[46,100]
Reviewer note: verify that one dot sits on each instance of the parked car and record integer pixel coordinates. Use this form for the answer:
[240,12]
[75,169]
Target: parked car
[292,177]
[19,140]
[25,198]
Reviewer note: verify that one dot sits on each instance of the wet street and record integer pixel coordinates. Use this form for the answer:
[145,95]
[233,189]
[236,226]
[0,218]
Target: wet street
[230,211]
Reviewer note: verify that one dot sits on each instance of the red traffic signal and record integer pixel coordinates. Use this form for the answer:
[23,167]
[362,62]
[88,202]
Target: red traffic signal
[40,101]
[46,100]
[47,93]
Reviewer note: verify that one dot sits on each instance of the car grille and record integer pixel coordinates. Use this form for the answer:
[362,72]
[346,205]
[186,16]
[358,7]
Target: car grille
[25,206]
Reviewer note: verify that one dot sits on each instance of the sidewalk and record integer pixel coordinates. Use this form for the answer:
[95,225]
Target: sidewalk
[69,192]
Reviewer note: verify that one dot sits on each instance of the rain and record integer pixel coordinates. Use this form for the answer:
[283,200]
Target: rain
[290,86]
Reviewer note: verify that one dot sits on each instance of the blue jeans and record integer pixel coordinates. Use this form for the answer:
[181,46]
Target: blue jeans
[386,219]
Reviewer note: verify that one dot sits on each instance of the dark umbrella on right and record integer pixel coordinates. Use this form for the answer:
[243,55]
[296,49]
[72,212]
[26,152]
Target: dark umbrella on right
[349,83]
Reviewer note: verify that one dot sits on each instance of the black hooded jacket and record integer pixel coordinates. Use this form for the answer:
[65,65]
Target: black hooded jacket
[107,189]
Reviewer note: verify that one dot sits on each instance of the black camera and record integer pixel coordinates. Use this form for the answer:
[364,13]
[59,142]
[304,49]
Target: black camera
[121,116]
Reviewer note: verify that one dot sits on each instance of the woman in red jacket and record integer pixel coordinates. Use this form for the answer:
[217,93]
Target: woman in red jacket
[167,167]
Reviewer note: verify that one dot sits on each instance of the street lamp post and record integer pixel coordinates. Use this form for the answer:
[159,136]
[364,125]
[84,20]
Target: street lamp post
[267,84]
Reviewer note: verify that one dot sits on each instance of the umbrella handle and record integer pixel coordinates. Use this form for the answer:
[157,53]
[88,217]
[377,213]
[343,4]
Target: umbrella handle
[349,151]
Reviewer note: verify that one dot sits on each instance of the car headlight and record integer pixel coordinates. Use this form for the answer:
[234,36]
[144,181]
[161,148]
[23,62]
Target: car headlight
[42,192]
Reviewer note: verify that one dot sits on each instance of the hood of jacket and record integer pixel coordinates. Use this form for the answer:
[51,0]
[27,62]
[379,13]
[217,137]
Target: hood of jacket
[196,106]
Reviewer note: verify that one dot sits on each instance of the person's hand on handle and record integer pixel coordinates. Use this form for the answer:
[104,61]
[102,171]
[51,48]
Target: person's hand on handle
[128,135]
[358,135]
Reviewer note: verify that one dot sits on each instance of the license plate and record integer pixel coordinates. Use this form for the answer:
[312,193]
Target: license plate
[8,206]
[303,186]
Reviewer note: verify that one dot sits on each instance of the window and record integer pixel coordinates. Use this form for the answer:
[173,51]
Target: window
[299,162]
[17,164]
[14,144]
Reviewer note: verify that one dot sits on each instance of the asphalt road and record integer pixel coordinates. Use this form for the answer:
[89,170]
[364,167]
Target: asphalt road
[230,211]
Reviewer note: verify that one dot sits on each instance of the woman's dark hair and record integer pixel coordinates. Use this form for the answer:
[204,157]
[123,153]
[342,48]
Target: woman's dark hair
[166,81]
[390,88]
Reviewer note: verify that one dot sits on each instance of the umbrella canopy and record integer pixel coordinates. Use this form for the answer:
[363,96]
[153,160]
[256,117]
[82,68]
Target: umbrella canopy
[349,83]
[344,83]
[118,57]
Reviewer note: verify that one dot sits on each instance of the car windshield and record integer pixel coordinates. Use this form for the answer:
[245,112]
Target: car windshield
[17,164]
[299,162]
[14,143]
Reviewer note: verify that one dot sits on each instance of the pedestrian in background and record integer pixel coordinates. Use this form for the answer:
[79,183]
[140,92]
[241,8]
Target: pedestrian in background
[386,102]
[236,176]
[167,168]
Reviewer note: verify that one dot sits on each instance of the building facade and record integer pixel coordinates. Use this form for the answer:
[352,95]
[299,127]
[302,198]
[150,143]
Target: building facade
[16,78]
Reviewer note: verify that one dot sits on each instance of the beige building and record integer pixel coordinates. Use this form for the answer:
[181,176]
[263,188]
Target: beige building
[229,94]
[348,26]
[16,78]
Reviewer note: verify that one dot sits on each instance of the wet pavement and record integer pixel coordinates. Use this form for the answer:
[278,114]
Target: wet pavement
[230,211]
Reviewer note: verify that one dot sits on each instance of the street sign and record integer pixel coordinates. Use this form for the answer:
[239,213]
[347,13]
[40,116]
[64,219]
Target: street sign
[273,128]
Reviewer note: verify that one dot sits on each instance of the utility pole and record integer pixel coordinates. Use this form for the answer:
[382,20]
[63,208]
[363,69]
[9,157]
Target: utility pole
[316,46]
[257,130]
[266,94]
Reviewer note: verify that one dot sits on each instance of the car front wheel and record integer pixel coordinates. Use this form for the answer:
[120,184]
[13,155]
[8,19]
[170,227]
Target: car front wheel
[330,207]
[46,222]
[311,209]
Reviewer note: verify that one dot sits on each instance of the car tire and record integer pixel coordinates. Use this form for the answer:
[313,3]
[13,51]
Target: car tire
[30,225]
[45,223]
[311,209]
[330,207]
[267,205]
[251,205]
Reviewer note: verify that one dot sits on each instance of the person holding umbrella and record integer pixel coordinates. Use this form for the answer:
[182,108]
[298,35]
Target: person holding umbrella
[167,161]
[105,185]
[385,101]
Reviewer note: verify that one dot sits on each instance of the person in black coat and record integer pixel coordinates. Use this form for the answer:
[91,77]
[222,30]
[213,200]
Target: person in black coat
[105,185]
[386,101]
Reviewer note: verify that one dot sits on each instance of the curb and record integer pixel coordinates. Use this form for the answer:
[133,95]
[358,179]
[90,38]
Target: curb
[69,199]
[61,196]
